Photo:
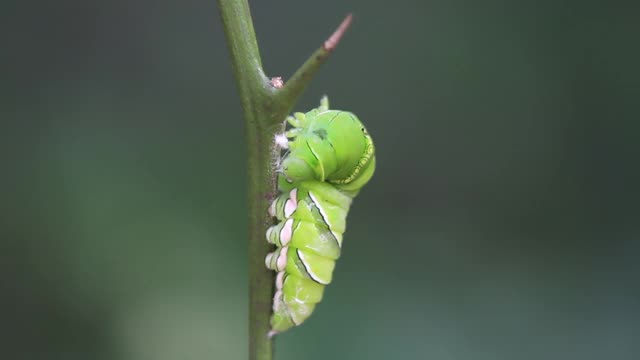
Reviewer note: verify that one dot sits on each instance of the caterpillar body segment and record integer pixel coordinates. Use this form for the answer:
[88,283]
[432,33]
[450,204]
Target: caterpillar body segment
[330,158]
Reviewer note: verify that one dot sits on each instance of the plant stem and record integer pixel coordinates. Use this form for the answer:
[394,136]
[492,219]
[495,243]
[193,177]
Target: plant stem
[252,85]
[265,107]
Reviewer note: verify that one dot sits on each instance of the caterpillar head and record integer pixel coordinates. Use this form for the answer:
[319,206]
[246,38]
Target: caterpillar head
[329,145]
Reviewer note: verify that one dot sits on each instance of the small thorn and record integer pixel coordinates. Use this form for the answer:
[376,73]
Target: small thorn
[277,82]
[334,39]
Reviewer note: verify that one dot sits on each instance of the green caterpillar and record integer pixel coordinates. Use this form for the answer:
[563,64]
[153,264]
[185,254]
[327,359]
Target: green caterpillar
[330,158]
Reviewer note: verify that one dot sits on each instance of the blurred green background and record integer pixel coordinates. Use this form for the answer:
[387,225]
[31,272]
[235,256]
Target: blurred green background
[502,222]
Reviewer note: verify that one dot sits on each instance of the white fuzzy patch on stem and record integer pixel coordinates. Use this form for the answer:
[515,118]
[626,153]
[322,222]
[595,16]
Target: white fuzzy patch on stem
[277,82]
[282,141]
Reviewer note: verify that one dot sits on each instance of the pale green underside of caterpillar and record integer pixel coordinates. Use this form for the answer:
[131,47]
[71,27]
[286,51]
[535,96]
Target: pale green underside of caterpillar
[330,158]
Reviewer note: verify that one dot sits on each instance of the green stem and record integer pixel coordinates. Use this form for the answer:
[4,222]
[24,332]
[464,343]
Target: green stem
[252,85]
[265,107]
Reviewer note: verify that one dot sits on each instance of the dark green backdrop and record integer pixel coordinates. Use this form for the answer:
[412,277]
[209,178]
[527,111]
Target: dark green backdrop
[502,223]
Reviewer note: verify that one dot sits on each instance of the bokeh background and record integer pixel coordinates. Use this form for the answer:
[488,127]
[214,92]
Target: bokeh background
[502,223]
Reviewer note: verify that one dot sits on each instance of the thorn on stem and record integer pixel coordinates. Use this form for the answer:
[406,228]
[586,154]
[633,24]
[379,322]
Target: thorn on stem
[277,82]
[334,39]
